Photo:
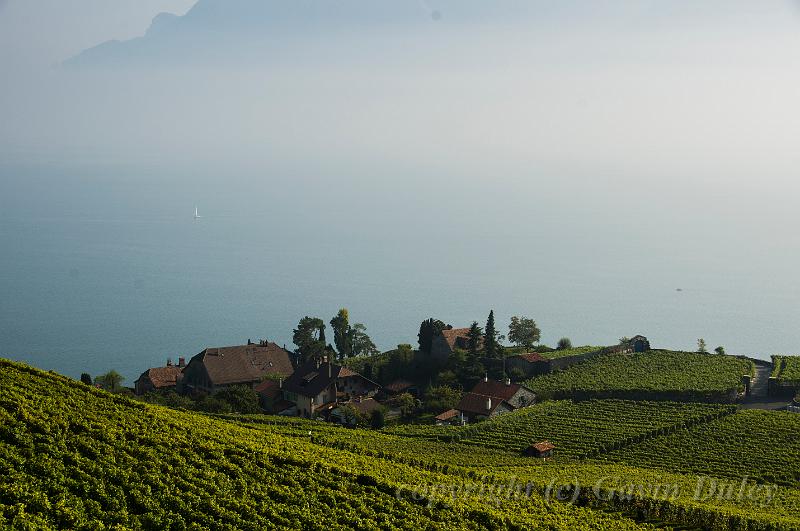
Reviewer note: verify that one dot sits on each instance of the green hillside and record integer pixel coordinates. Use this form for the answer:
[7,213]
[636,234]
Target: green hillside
[73,457]
[654,375]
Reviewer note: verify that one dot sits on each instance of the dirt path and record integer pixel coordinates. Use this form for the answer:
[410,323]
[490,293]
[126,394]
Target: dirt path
[758,398]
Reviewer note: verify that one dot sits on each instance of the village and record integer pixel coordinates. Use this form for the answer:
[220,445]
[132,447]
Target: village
[421,388]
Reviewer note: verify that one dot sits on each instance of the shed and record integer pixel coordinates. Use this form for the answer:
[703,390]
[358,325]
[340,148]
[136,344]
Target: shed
[542,450]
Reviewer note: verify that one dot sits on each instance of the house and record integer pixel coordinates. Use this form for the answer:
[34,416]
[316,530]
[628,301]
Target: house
[160,378]
[529,364]
[515,395]
[448,341]
[451,417]
[541,450]
[318,387]
[473,407]
[220,367]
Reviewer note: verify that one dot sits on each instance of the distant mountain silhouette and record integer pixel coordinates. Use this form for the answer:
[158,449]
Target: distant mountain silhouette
[245,30]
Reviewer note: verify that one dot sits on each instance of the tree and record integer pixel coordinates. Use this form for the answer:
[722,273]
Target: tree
[701,346]
[720,350]
[564,344]
[624,340]
[360,343]
[428,329]
[242,399]
[406,404]
[110,381]
[341,333]
[475,335]
[490,337]
[441,398]
[523,332]
[377,419]
[86,378]
[309,336]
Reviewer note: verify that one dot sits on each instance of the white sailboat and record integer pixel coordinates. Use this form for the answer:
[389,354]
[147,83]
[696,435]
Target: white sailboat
[196,214]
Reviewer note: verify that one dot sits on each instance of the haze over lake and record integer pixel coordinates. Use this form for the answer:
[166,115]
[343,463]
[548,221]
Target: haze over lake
[408,167]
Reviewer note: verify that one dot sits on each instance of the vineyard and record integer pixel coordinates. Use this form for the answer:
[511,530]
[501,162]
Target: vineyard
[470,461]
[579,430]
[786,368]
[653,375]
[555,354]
[73,457]
[763,445]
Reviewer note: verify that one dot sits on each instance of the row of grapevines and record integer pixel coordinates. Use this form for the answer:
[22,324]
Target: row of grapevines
[649,375]
[763,445]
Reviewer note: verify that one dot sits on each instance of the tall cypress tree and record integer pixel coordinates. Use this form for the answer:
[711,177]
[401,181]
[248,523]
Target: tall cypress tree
[490,337]
[475,334]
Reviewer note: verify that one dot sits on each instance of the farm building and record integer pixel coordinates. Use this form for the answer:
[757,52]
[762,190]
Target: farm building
[541,450]
[160,378]
[530,363]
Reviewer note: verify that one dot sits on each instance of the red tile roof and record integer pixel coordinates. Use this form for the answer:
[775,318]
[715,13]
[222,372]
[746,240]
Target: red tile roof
[162,377]
[244,363]
[476,404]
[366,406]
[268,388]
[495,388]
[447,415]
[456,338]
[543,446]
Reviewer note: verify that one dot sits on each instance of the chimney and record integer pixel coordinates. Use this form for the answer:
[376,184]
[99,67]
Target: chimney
[508,382]
[181,362]
[280,383]
[169,362]
[486,377]
[489,404]
[249,342]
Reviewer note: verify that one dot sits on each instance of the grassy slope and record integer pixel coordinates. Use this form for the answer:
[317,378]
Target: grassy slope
[74,457]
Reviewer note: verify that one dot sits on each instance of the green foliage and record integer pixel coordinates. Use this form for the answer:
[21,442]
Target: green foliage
[656,374]
[86,378]
[377,419]
[701,346]
[441,398]
[428,329]
[341,333]
[110,381]
[361,343]
[475,335]
[309,336]
[564,344]
[490,337]
[720,350]
[759,444]
[242,399]
[406,403]
[523,332]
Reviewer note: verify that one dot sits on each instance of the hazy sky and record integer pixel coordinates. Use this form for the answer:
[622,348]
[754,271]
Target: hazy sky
[44,32]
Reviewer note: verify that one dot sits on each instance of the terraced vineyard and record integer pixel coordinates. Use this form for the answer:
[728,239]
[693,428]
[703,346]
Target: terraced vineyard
[786,368]
[587,428]
[555,354]
[762,445]
[72,457]
[654,375]
[579,430]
